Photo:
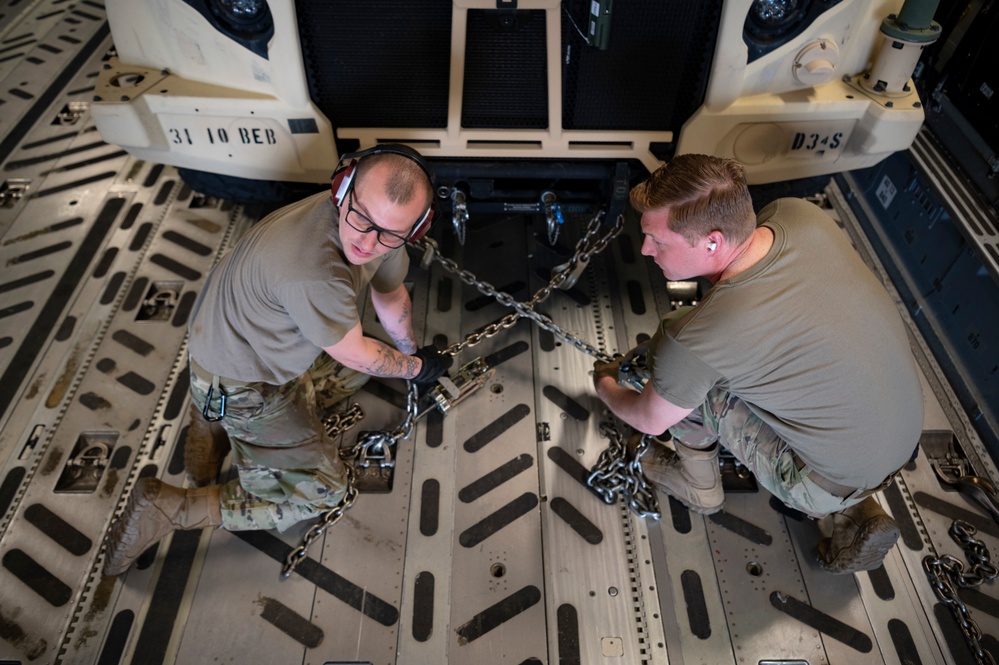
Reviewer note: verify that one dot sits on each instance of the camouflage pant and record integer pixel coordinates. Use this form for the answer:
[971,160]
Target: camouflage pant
[289,469]
[727,418]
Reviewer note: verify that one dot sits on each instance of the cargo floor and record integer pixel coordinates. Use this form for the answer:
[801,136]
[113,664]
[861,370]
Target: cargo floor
[489,547]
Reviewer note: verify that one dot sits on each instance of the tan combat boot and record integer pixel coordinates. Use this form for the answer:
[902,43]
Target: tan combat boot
[689,474]
[207,445]
[155,509]
[862,535]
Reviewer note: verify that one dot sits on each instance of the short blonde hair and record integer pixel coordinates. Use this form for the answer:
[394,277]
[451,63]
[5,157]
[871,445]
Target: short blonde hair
[407,179]
[702,194]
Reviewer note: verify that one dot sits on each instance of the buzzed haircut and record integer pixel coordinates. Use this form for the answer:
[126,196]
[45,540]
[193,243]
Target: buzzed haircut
[702,194]
[407,178]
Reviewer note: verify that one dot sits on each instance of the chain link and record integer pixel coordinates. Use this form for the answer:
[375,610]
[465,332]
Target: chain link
[947,572]
[587,246]
[337,424]
[618,475]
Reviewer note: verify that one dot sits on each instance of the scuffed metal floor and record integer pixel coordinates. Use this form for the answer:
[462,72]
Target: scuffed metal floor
[488,549]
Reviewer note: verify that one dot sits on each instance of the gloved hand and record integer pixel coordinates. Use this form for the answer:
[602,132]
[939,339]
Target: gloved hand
[611,369]
[435,364]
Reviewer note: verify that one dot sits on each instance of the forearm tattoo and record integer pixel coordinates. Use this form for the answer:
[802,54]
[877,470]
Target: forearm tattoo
[401,330]
[389,362]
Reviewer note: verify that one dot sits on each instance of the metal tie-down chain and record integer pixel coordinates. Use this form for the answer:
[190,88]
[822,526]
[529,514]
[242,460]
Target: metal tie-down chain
[337,424]
[629,476]
[615,474]
[946,573]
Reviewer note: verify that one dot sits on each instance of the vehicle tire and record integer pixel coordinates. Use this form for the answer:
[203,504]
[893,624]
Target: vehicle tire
[246,190]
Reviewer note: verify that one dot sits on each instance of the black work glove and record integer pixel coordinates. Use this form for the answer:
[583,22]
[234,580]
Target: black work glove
[435,364]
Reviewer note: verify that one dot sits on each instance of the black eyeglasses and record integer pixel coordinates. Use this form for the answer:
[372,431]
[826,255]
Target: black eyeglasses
[357,221]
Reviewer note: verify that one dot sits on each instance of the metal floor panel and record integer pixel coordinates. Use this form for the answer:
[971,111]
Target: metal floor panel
[488,549]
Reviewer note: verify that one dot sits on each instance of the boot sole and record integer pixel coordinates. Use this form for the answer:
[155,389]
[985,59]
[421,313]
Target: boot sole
[869,548]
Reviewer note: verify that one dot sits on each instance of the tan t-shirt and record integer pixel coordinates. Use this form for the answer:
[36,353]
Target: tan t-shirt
[283,293]
[812,342]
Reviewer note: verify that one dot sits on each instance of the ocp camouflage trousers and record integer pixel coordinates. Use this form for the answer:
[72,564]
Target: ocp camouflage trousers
[725,418]
[289,468]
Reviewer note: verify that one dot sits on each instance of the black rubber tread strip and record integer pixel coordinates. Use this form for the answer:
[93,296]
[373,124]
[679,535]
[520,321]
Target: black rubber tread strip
[546,340]
[153,175]
[41,252]
[881,583]
[445,291]
[164,604]
[174,266]
[177,394]
[84,163]
[495,478]
[163,193]
[577,521]
[498,614]
[94,402]
[566,403]
[58,529]
[16,309]
[635,297]
[52,156]
[137,383]
[54,89]
[506,353]
[741,527]
[107,175]
[568,635]
[37,335]
[430,498]
[141,234]
[498,520]
[135,294]
[697,607]
[131,216]
[494,429]
[175,465]
[188,243]
[290,622]
[980,601]
[900,513]
[5,342]
[105,263]
[337,586]
[680,514]
[435,428]
[27,281]
[980,522]
[133,342]
[8,488]
[113,286]
[117,639]
[66,329]
[37,578]
[571,465]
[183,310]
[423,606]
[822,622]
[902,639]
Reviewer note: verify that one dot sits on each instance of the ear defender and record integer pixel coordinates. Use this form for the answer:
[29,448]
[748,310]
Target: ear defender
[342,181]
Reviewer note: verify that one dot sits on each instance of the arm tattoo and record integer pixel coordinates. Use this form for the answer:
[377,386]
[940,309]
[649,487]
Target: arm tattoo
[389,362]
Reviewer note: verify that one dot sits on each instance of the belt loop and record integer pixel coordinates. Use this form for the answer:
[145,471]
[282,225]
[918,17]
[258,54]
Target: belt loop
[215,387]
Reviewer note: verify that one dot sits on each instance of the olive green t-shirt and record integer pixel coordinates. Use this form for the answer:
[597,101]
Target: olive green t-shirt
[283,293]
[812,342]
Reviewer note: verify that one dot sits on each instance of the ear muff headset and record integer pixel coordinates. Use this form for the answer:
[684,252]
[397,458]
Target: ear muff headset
[343,180]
